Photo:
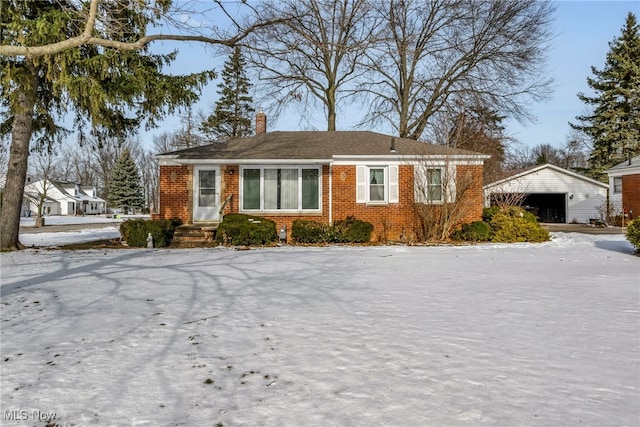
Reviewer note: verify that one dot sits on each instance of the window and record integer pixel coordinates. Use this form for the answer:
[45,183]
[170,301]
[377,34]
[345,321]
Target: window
[617,184]
[433,187]
[434,184]
[281,189]
[377,184]
[207,188]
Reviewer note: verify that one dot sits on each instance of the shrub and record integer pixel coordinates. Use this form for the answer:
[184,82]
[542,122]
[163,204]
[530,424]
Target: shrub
[352,230]
[633,233]
[240,229]
[478,231]
[516,225]
[303,231]
[135,231]
[488,213]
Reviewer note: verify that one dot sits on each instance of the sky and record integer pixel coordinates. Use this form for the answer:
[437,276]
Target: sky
[330,336]
[583,30]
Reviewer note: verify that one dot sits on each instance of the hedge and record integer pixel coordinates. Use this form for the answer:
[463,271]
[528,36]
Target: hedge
[633,233]
[477,231]
[349,230]
[514,224]
[136,231]
[240,229]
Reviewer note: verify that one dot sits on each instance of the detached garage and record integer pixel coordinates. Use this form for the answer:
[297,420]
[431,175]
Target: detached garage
[552,193]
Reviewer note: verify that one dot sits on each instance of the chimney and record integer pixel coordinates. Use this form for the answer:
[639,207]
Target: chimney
[261,122]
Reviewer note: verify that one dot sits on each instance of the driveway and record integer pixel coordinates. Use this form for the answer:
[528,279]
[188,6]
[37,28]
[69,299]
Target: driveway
[67,227]
[582,228]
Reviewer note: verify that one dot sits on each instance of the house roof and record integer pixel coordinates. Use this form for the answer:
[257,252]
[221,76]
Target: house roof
[523,172]
[633,163]
[315,145]
[66,189]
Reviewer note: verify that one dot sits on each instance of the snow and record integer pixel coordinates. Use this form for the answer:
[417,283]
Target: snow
[493,334]
[106,228]
[68,220]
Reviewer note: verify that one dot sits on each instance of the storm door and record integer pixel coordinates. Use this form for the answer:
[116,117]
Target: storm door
[206,193]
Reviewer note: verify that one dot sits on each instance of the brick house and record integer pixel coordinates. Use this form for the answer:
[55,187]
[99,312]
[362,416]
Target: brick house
[624,188]
[320,176]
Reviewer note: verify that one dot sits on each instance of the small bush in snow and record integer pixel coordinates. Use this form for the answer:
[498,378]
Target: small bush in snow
[349,230]
[514,224]
[304,231]
[240,229]
[352,230]
[136,231]
[477,231]
[633,233]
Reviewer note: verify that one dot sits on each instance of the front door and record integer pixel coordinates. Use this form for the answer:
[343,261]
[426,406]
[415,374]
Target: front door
[206,193]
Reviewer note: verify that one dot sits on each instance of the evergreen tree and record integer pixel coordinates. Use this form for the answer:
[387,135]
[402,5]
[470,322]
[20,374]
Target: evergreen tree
[480,129]
[107,88]
[124,188]
[614,125]
[232,115]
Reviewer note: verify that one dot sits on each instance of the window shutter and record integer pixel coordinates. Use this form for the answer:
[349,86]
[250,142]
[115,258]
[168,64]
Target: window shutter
[419,184]
[393,184]
[361,184]
[451,183]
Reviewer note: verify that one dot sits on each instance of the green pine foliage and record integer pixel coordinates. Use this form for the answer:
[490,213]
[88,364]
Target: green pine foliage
[125,190]
[233,112]
[614,124]
[107,91]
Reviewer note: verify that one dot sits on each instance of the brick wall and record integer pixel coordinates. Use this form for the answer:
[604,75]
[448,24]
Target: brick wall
[394,221]
[390,222]
[176,193]
[469,180]
[230,184]
[631,195]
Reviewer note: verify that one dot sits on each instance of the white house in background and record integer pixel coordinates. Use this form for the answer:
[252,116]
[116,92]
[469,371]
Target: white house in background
[554,194]
[63,198]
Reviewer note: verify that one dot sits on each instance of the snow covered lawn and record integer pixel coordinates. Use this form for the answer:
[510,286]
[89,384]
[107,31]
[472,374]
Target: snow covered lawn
[496,335]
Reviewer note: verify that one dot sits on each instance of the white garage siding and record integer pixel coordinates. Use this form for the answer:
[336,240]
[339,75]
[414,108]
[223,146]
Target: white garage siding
[583,196]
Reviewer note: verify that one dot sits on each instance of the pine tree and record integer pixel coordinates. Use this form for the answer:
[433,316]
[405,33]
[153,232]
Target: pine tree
[107,89]
[232,115]
[124,188]
[614,125]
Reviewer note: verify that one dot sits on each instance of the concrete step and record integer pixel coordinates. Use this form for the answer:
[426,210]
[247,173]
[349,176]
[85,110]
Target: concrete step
[195,236]
[193,244]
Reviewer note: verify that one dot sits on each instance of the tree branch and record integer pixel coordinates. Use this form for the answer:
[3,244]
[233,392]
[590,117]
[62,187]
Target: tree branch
[86,38]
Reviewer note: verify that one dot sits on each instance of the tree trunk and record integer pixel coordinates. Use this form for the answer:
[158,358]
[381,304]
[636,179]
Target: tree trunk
[17,171]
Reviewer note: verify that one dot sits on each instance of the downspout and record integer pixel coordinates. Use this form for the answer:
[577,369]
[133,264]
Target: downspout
[331,192]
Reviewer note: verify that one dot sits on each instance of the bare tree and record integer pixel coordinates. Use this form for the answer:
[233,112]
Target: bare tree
[190,135]
[98,14]
[42,165]
[4,154]
[475,52]
[312,55]
[444,188]
[149,179]
[45,73]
